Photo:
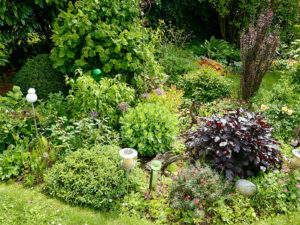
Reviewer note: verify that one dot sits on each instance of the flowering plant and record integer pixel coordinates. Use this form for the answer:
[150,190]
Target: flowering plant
[196,188]
[284,119]
[278,192]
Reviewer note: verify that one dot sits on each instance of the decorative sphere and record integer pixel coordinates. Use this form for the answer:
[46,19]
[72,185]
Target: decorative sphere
[31,96]
[245,187]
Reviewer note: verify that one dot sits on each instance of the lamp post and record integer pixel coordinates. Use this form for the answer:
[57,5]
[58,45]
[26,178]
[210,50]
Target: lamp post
[31,97]
[128,162]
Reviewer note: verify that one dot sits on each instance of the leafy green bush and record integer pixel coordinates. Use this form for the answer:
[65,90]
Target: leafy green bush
[88,96]
[102,34]
[13,161]
[195,189]
[91,177]
[38,73]
[204,85]
[150,128]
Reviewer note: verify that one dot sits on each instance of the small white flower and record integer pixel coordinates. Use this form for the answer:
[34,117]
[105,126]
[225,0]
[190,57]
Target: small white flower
[125,204]
[110,200]
[52,222]
[57,210]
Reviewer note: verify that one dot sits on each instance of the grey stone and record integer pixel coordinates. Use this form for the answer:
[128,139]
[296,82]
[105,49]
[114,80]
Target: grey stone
[245,187]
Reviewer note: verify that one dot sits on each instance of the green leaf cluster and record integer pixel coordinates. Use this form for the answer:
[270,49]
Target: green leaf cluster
[103,34]
[92,177]
[150,128]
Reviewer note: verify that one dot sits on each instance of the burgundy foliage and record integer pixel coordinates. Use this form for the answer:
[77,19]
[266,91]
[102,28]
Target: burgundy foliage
[258,47]
[238,144]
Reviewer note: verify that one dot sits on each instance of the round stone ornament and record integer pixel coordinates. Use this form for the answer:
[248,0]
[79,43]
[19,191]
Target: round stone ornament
[245,187]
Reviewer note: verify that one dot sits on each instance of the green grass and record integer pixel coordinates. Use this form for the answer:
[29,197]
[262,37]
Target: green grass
[293,219]
[20,206]
[266,85]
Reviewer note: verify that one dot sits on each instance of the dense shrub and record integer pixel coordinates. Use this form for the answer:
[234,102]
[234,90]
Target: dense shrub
[195,189]
[104,34]
[150,128]
[171,98]
[101,97]
[211,63]
[258,47]
[38,73]
[91,177]
[204,85]
[238,144]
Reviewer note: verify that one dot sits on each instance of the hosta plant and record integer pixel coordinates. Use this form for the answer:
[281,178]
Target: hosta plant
[239,144]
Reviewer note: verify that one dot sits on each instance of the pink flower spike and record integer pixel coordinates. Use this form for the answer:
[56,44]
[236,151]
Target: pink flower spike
[194,171]
[284,180]
[196,201]
[227,182]
[187,197]
[298,185]
[232,194]
[186,176]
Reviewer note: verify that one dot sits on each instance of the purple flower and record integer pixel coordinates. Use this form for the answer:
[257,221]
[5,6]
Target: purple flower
[298,185]
[145,95]
[284,179]
[286,190]
[159,91]
[268,186]
[123,106]
[94,114]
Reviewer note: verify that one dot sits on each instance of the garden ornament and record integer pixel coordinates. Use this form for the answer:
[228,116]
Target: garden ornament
[245,187]
[31,97]
[155,167]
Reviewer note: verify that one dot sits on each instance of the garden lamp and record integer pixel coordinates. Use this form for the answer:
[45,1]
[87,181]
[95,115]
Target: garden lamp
[31,97]
[128,155]
[155,167]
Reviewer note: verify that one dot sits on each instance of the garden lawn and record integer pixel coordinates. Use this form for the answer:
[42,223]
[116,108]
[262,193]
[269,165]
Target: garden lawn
[28,206]
[266,84]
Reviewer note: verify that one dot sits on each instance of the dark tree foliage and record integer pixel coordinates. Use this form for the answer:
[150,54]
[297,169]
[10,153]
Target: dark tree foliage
[20,19]
[194,16]
[258,47]
[238,144]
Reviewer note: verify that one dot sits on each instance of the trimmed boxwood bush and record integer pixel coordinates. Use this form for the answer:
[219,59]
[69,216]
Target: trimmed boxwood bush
[91,177]
[150,128]
[38,73]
